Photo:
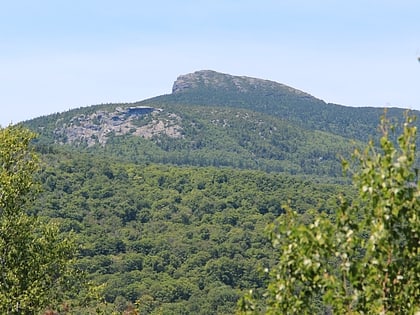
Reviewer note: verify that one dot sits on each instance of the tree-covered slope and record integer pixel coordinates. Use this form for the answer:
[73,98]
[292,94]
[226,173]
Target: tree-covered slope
[179,240]
[202,136]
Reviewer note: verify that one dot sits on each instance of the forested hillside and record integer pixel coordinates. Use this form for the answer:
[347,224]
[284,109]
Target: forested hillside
[177,239]
[170,197]
[214,119]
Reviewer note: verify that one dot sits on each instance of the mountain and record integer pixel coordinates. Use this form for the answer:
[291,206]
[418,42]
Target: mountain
[215,119]
[210,88]
[169,197]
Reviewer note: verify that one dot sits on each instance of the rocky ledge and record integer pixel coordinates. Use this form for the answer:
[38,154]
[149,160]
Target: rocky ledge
[97,127]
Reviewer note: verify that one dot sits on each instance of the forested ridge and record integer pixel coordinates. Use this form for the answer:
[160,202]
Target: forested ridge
[220,137]
[170,197]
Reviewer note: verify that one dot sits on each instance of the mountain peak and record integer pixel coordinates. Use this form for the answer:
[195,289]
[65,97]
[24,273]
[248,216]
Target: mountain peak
[216,80]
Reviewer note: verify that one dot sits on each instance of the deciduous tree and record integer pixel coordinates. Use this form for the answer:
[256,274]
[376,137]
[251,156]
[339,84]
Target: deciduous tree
[35,258]
[365,260]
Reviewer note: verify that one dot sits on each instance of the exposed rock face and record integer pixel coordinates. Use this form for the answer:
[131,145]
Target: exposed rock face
[182,83]
[213,79]
[193,80]
[139,121]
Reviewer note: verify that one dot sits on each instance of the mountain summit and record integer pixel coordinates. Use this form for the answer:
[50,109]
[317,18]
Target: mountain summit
[215,89]
[211,88]
[216,80]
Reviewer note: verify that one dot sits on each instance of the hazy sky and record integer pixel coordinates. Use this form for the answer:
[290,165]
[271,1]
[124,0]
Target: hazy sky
[60,54]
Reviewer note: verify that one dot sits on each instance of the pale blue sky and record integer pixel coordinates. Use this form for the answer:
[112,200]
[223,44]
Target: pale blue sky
[60,54]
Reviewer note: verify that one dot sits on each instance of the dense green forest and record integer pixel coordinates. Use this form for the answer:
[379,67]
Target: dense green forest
[223,137]
[172,238]
[169,198]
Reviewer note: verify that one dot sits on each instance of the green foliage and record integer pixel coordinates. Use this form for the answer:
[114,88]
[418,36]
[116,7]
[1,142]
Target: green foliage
[18,165]
[36,260]
[366,260]
[216,137]
[165,235]
[389,189]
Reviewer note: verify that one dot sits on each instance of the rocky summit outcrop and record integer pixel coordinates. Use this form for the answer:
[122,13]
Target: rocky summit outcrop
[98,127]
[216,80]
